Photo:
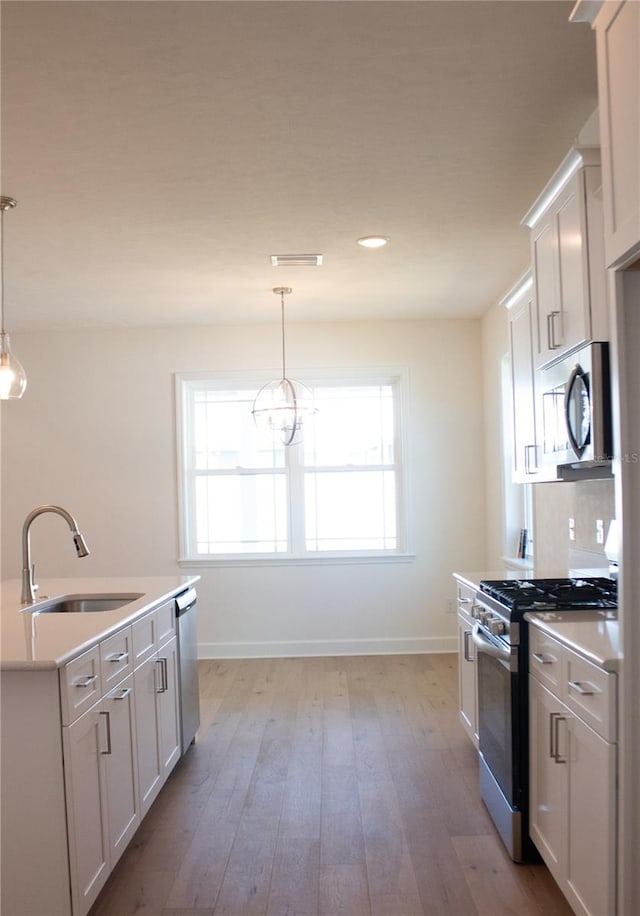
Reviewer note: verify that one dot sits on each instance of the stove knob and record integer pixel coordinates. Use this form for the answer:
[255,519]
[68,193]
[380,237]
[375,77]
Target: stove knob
[476,611]
[496,626]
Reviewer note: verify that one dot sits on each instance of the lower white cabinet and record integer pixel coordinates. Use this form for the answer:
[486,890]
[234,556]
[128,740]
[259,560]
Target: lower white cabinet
[82,758]
[102,793]
[158,723]
[573,789]
[467,667]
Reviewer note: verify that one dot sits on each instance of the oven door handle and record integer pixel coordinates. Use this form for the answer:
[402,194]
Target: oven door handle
[484,645]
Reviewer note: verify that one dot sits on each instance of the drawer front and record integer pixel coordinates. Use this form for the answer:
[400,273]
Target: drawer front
[80,685]
[166,622]
[545,659]
[590,693]
[116,658]
[144,638]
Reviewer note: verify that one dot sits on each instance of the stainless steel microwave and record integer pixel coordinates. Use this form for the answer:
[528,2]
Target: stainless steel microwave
[573,401]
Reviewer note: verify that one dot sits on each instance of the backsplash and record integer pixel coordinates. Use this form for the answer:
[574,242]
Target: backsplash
[583,501]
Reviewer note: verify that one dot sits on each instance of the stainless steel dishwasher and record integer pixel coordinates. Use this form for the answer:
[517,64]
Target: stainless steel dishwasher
[186,619]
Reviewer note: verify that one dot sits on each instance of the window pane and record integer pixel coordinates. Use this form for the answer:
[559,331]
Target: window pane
[241,514]
[350,510]
[353,426]
[225,435]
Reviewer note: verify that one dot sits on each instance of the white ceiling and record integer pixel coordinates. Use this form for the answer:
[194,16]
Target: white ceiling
[160,152]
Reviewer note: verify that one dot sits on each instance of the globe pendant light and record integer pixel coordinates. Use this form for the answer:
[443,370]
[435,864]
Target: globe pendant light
[282,405]
[13,381]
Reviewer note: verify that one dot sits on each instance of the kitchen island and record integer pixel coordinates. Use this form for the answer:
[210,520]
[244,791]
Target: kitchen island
[90,716]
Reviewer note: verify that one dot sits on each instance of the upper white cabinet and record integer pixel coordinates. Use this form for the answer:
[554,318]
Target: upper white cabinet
[618,47]
[567,254]
[521,334]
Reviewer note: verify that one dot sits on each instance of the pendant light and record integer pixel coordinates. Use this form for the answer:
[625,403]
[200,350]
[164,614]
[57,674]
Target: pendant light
[13,381]
[282,405]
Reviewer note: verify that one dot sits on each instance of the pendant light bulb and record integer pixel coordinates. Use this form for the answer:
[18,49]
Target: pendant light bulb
[282,405]
[13,380]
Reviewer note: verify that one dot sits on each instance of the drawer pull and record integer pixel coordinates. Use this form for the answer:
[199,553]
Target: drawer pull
[118,657]
[583,691]
[86,681]
[124,693]
[544,659]
[464,600]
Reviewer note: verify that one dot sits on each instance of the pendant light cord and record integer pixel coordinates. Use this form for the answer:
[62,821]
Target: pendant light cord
[284,374]
[2,269]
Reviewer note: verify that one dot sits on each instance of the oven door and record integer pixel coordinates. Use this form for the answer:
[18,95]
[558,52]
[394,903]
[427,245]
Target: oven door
[500,715]
[497,671]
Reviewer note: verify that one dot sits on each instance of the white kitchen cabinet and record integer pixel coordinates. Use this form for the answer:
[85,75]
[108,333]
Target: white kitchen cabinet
[521,334]
[157,701]
[573,781]
[617,29]
[101,789]
[467,667]
[567,253]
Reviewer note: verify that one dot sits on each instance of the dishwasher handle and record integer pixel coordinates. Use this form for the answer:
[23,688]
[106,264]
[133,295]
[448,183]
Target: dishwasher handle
[185,601]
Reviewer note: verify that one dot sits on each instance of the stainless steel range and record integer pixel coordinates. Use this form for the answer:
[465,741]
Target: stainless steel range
[500,636]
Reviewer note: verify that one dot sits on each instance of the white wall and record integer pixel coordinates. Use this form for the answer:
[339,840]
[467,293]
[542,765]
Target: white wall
[95,433]
[495,343]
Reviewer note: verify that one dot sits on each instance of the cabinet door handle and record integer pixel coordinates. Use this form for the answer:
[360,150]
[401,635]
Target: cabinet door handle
[124,693]
[544,659]
[583,691]
[108,725]
[86,681]
[467,655]
[464,600]
[118,657]
[555,718]
[551,330]
[164,682]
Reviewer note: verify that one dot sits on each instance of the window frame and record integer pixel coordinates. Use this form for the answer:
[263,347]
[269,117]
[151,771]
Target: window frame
[186,382]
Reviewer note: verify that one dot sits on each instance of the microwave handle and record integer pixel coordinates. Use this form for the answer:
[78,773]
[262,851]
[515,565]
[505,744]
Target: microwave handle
[576,373]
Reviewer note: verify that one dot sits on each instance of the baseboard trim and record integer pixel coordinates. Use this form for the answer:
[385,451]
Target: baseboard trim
[328,647]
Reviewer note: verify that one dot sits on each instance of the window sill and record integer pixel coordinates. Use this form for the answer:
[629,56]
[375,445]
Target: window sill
[322,560]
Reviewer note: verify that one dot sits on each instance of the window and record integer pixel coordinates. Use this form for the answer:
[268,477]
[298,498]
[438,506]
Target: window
[337,493]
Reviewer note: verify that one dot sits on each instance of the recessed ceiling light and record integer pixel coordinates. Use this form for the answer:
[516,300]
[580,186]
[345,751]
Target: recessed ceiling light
[373,241]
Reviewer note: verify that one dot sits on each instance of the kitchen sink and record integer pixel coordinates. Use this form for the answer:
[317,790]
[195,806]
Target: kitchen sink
[83,604]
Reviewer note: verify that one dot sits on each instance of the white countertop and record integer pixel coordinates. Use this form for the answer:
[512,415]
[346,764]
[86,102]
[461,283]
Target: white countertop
[593,634]
[32,640]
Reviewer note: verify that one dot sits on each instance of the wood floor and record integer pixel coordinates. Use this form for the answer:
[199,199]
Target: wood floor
[325,786]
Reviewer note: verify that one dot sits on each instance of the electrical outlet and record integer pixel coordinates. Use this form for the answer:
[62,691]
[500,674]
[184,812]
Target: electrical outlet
[599,531]
[572,529]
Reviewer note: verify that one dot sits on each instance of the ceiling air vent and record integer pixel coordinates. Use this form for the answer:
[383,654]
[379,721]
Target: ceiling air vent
[296,260]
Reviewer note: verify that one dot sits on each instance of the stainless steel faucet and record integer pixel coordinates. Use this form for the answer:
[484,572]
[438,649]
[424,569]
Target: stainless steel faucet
[29,587]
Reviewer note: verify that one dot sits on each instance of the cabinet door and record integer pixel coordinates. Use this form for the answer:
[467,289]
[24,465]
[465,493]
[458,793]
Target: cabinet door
[618,45]
[547,776]
[150,770]
[121,770]
[85,743]
[544,254]
[590,868]
[467,679]
[573,326]
[525,460]
[168,707]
